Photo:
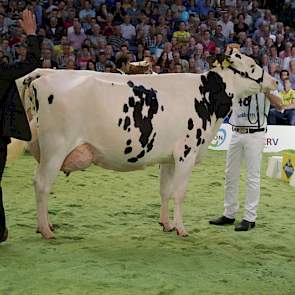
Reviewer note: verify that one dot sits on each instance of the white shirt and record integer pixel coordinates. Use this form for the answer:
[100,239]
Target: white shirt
[227,28]
[128,31]
[250,112]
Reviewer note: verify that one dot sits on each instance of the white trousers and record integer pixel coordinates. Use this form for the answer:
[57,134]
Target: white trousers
[248,147]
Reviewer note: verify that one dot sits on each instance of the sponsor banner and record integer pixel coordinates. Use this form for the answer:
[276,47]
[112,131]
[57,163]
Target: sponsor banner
[277,138]
[288,165]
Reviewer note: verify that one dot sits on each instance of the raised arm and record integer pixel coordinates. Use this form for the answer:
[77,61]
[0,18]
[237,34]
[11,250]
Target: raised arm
[15,71]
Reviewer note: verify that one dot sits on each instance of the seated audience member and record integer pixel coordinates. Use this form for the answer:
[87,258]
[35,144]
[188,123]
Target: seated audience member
[284,74]
[288,98]
[292,72]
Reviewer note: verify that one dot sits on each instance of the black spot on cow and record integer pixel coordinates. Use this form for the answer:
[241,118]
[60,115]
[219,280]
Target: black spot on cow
[187,136]
[130,84]
[133,160]
[181,159]
[128,150]
[128,142]
[112,84]
[141,154]
[144,106]
[31,98]
[187,150]
[148,98]
[199,133]
[238,56]
[50,99]
[125,108]
[203,141]
[131,101]
[190,124]
[36,99]
[28,81]
[199,141]
[218,101]
[126,123]
[151,143]
[120,122]
[162,108]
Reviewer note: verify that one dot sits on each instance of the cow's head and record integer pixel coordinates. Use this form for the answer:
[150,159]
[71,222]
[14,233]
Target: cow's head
[248,77]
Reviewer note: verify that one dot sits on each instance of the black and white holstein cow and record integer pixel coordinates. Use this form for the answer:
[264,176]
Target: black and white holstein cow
[125,123]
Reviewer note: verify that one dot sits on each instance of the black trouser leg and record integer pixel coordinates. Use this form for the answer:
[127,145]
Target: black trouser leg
[3,155]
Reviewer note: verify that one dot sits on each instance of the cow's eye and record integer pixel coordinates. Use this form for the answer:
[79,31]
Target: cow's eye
[253,70]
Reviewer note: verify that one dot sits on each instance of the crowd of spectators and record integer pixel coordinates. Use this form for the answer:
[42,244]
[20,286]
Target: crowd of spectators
[173,35]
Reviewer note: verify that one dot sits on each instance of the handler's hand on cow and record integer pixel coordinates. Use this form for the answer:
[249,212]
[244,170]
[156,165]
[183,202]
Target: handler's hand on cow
[28,22]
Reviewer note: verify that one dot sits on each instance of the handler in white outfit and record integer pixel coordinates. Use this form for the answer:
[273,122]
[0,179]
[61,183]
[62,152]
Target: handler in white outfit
[249,123]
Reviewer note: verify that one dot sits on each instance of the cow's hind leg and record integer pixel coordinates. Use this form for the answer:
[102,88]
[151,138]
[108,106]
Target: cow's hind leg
[166,178]
[44,178]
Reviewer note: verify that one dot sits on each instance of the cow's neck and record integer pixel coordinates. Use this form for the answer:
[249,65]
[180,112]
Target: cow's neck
[216,99]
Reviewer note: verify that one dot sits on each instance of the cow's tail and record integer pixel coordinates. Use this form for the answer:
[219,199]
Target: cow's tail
[15,149]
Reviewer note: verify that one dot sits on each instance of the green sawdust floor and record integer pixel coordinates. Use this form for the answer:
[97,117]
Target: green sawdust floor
[109,241]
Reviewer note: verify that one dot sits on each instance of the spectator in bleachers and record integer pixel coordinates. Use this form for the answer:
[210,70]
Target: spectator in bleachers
[288,98]
[77,37]
[48,56]
[65,55]
[287,55]
[207,43]
[292,72]
[241,26]
[284,74]
[255,13]
[273,70]
[127,29]
[53,31]
[163,62]
[87,11]
[226,24]
[95,36]
[219,38]
[181,35]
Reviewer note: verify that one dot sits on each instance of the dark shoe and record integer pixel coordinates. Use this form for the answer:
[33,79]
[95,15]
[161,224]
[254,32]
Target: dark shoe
[222,221]
[244,225]
[4,235]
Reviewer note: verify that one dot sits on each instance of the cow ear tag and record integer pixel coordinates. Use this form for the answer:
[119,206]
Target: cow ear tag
[226,64]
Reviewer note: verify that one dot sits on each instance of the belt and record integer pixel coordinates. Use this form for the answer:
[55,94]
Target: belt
[245,130]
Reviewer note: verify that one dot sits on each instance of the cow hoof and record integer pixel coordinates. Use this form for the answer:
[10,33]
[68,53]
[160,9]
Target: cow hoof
[181,233]
[38,231]
[48,236]
[167,227]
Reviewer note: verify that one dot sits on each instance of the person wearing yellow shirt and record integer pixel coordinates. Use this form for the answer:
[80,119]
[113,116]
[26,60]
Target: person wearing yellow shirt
[288,99]
[182,36]
[58,49]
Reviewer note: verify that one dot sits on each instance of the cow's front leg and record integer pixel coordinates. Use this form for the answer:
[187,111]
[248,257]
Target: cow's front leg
[183,170]
[45,175]
[166,178]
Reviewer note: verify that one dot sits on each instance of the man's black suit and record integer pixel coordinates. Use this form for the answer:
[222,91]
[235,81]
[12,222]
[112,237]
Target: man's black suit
[13,120]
